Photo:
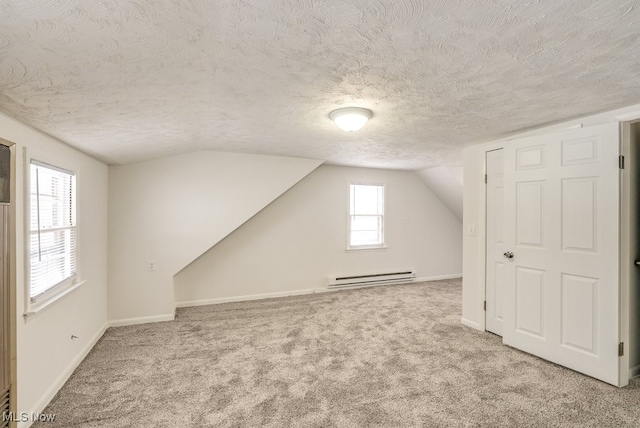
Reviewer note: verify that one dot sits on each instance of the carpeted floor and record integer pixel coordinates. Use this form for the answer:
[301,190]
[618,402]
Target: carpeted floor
[392,356]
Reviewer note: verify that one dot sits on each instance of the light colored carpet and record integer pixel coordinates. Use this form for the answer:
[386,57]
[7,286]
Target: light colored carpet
[393,356]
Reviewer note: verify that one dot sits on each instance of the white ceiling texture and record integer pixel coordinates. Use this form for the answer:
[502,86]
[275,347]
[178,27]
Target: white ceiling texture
[129,80]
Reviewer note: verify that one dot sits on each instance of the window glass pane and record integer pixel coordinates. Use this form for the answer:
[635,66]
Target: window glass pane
[366,215]
[364,222]
[364,238]
[366,199]
[55,261]
[52,247]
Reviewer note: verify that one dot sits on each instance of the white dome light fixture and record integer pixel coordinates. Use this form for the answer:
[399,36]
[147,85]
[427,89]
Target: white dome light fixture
[351,119]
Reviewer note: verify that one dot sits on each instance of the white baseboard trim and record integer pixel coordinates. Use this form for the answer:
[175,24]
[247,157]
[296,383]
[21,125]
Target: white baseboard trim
[424,279]
[64,376]
[244,298]
[369,285]
[471,324]
[439,277]
[634,372]
[277,294]
[141,320]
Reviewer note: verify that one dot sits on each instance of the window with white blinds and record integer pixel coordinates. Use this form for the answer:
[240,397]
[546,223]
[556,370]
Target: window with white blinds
[366,216]
[52,246]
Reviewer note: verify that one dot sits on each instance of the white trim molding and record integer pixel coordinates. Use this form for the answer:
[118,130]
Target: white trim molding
[141,320]
[470,324]
[277,294]
[628,117]
[245,298]
[409,281]
[36,309]
[439,277]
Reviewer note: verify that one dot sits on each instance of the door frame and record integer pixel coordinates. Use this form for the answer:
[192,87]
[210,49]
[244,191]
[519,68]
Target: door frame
[13,342]
[482,234]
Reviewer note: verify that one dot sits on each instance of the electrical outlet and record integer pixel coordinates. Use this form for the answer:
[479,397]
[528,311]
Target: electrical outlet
[151,265]
[404,220]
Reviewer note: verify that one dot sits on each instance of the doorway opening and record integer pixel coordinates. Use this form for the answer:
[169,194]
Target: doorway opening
[630,244]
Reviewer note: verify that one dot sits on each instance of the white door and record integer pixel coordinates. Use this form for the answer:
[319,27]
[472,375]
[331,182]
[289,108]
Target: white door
[495,243]
[561,223]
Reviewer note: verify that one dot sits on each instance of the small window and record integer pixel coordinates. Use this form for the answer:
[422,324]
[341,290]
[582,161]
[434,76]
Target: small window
[52,243]
[366,216]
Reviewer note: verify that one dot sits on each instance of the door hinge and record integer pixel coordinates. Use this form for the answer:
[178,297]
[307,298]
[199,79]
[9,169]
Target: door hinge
[620,349]
[621,162]
[485,179]
[485,305]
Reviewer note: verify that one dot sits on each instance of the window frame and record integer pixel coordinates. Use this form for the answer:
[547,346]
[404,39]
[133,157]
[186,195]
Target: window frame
[32,305]
[383,244]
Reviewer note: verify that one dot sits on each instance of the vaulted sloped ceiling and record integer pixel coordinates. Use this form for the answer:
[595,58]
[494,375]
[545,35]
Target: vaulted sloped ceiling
[128,80]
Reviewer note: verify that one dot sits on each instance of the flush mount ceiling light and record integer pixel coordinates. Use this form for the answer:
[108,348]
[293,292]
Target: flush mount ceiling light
[351,119]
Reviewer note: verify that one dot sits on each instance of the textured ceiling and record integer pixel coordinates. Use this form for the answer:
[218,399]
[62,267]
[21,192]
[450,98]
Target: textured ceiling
[133,80]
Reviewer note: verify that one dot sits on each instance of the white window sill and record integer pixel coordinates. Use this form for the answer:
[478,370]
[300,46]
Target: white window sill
[367,248]
[35,309]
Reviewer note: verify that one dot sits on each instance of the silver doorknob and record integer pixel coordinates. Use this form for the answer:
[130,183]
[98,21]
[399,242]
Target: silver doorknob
[508,255]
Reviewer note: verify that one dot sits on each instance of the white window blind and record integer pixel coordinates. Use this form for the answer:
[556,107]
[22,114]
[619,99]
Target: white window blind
[366,215]
[52,228]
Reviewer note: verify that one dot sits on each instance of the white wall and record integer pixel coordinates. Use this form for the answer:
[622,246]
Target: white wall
[457,172]
[172,210]
[473,241]
[46,354]
[474,209]
[446,183]
[299,240]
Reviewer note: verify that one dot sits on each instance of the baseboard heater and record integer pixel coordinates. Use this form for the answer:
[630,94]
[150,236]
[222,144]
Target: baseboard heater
[376,278]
